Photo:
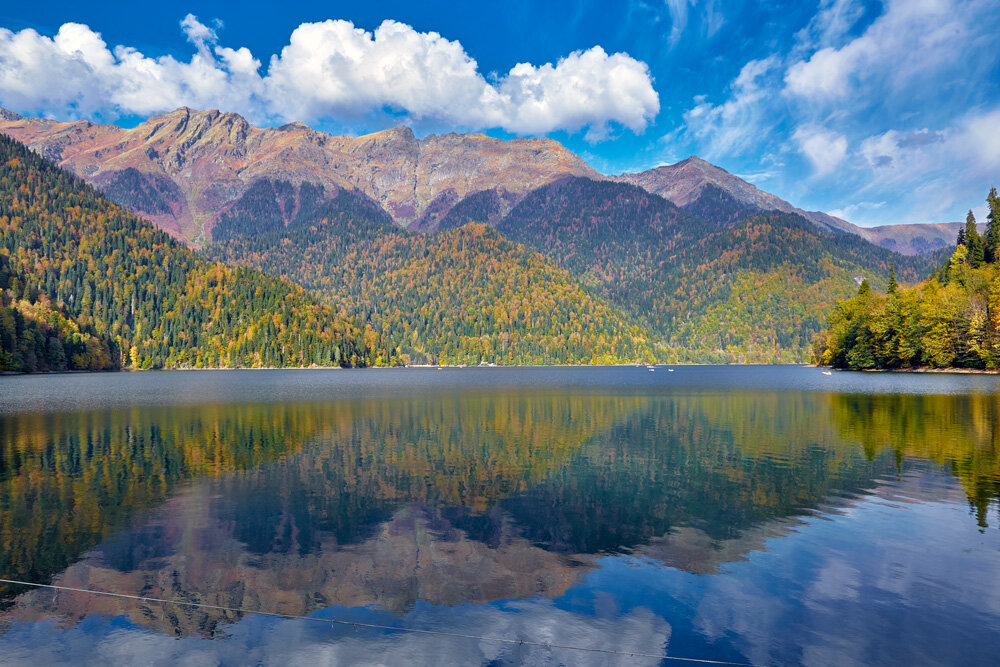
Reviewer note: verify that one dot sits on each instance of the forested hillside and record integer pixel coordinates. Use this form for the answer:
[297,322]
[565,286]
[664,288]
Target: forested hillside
[80,270]
[464,296]
[756,290]
[951,320]
[623,275]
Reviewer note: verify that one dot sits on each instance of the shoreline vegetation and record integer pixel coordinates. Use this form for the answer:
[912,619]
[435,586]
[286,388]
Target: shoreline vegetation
[949,321]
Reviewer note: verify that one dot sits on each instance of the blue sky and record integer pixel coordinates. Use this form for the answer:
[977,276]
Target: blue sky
[880,112]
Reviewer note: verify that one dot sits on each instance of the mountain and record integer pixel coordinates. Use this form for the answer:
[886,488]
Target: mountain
[83,269]
[919,239]
[694,184]
[617,274]
[754,290]
[716,195]
[187,170]
[462,296]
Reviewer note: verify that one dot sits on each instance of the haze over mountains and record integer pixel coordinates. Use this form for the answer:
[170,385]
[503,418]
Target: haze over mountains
[188,170]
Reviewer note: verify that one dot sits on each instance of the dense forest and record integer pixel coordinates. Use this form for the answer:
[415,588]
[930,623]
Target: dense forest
[465,296]
[36,335]
[753,290]
[82,274]
[622,275]
[951,320]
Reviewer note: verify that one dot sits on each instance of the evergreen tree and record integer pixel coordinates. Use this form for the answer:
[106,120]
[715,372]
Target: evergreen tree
[961,236]
[974,242]
[992,226]
[84,284]
[864,288]
[893,287]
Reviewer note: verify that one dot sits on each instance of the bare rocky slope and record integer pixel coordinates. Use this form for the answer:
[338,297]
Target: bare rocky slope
[186,170]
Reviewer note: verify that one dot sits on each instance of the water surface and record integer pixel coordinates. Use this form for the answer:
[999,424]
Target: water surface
[766,515]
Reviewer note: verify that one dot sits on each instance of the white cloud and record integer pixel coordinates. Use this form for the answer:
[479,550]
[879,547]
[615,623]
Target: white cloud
[731,128]
[943,170]
[197,32]
[903,46]
[971,141]
[824,149]
[712,19]
[851,211]
[330,69]
[830,24]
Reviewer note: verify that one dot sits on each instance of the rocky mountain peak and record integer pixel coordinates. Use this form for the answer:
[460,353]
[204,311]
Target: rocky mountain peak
[9,115]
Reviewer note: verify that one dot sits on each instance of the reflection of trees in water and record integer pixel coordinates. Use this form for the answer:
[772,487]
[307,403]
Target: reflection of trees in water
[572,474]
[67,481]
[961,433]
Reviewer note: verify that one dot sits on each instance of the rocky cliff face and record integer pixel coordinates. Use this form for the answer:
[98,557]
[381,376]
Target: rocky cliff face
[183,169]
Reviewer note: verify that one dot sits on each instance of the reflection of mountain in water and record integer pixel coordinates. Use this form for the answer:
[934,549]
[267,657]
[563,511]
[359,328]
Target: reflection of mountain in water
[475,499]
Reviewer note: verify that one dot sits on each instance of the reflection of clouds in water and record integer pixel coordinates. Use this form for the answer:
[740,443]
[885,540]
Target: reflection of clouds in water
[873,596]
[259,640]
[836,581]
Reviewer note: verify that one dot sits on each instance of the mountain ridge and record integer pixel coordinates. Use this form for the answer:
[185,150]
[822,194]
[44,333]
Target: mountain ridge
[214,157]
[186,169]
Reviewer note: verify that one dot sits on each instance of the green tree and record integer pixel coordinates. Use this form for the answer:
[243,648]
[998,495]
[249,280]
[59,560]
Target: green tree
[992,240]
[974,242]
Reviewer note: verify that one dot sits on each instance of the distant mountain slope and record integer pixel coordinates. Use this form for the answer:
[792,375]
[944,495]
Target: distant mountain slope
[919,239]
[184,169]
[719,196]
[116,276]
[464,296]
[689,181]
[755,290]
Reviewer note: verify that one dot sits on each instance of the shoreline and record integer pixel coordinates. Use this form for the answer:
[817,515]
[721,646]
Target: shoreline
[414,366]
[921,369]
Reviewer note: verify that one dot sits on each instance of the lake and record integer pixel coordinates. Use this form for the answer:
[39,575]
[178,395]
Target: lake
[753,515]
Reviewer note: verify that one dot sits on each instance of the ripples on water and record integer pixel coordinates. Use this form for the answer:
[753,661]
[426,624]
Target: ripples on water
[764,514]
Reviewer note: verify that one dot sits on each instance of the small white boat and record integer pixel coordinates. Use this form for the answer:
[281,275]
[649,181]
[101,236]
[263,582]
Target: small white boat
[670,370]
[650,368]
[827,372]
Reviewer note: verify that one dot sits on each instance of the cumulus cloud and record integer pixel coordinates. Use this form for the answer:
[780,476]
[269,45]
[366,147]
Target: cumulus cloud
[824,149]
[329,69]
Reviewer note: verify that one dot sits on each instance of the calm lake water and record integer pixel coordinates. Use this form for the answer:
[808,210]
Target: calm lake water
[765,515]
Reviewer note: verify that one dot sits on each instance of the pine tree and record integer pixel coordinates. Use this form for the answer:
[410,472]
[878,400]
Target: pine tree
[992,226]
[893,285]
[961,236]
[974,242]
[864,288]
